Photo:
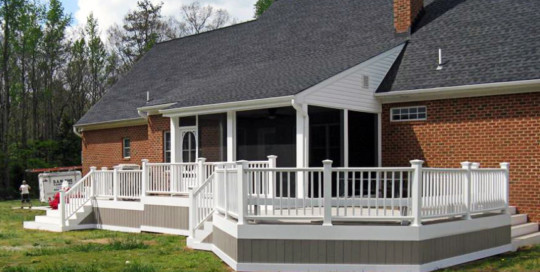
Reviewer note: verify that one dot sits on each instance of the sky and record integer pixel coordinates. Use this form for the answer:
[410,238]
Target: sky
[110,12]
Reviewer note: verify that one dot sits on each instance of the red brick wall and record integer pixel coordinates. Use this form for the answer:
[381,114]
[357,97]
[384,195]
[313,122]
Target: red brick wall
[103,148]
[488,130]
[405,12]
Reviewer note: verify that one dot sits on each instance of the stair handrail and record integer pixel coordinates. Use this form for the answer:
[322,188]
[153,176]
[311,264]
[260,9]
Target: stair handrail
[197,215]
[76,197]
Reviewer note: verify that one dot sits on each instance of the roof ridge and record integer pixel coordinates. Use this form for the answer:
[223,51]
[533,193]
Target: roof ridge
[207,32]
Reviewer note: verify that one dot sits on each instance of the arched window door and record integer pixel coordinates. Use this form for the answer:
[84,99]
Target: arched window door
[189,145]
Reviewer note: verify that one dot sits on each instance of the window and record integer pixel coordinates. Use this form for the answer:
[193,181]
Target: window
[167,146]
[409,113]
[126,147]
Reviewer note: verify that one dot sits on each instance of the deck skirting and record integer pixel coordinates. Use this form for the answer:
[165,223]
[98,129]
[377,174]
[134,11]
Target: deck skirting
[152,218]
[358,255]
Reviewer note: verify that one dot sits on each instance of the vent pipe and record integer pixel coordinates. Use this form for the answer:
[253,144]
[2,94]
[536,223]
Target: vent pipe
[147,96]
[440,66]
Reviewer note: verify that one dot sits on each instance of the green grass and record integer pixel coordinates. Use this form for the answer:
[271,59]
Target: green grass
[97,250]
[93,250]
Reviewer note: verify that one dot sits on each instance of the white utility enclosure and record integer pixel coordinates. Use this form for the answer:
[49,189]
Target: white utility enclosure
[50,183]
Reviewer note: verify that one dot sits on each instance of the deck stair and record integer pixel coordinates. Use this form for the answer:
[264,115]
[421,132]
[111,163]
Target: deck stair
[203,237]
[52,222]
[524,233]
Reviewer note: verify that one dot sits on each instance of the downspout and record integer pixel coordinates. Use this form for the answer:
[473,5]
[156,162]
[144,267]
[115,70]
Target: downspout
[76,131]
[142,114]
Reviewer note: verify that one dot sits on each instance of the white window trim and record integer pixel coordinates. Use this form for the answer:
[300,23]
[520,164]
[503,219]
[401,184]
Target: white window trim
[408,120]
[165,146]
[124,148]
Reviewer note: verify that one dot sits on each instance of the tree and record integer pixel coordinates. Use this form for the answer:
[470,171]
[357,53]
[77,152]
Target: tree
[199,19]
[143,29]
[53,47]
[261,6]
[10,12]
[97,57]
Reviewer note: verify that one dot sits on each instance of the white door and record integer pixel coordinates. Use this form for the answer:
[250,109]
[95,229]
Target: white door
[188,144]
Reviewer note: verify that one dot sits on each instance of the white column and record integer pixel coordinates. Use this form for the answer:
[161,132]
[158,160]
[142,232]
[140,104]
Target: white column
[192,213]
[271,175]
[175,140]
[468,186]
[327,186]
[242,190]
[201,177]
[379,139]
[346,138]
[231,136]
[115,183]
[93,181]
[506,167]
[300,151]
[417,192]
[144,180]
[62,208]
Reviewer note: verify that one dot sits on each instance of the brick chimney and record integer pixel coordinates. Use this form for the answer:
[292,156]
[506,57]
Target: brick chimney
[405,12]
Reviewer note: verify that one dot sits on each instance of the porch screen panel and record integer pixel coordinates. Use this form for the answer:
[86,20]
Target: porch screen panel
[269,132]
[325,136]
[363,139]
[213,137]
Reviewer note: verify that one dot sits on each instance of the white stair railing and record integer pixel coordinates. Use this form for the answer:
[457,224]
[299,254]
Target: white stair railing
[202,204]
[76,197]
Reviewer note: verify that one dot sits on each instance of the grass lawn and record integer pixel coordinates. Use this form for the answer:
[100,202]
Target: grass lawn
[97,250]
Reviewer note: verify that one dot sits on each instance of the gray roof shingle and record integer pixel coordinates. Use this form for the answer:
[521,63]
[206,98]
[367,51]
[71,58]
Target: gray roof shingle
[299,43]
[482,41]
[293,46]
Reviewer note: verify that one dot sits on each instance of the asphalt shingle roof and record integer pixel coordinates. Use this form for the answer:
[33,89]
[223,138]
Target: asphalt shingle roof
[482,41]
[299,43]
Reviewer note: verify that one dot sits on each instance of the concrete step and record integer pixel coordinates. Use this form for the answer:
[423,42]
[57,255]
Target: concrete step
[53,213]
[42,226]
[524,229]
[48,219]
[518,219]
[513,210]
[526,240]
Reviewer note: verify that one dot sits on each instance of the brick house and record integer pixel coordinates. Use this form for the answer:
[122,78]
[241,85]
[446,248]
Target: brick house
[362,83]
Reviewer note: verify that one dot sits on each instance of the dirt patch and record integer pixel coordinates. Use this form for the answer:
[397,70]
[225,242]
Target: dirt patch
[106,241]
[103,241]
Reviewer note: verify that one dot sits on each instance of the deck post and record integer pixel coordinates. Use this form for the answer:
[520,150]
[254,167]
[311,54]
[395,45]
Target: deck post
[506,167]
[242,190]
[327,183]
[62,208]
[115,183]
[192,213]
[144,178]
[93,188]
[201,174]
[417,192]
[468,188]
[271,175]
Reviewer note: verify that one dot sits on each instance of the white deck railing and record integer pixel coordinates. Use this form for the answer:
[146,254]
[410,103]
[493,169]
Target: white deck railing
[76,197]
[258,190]
[359,194]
